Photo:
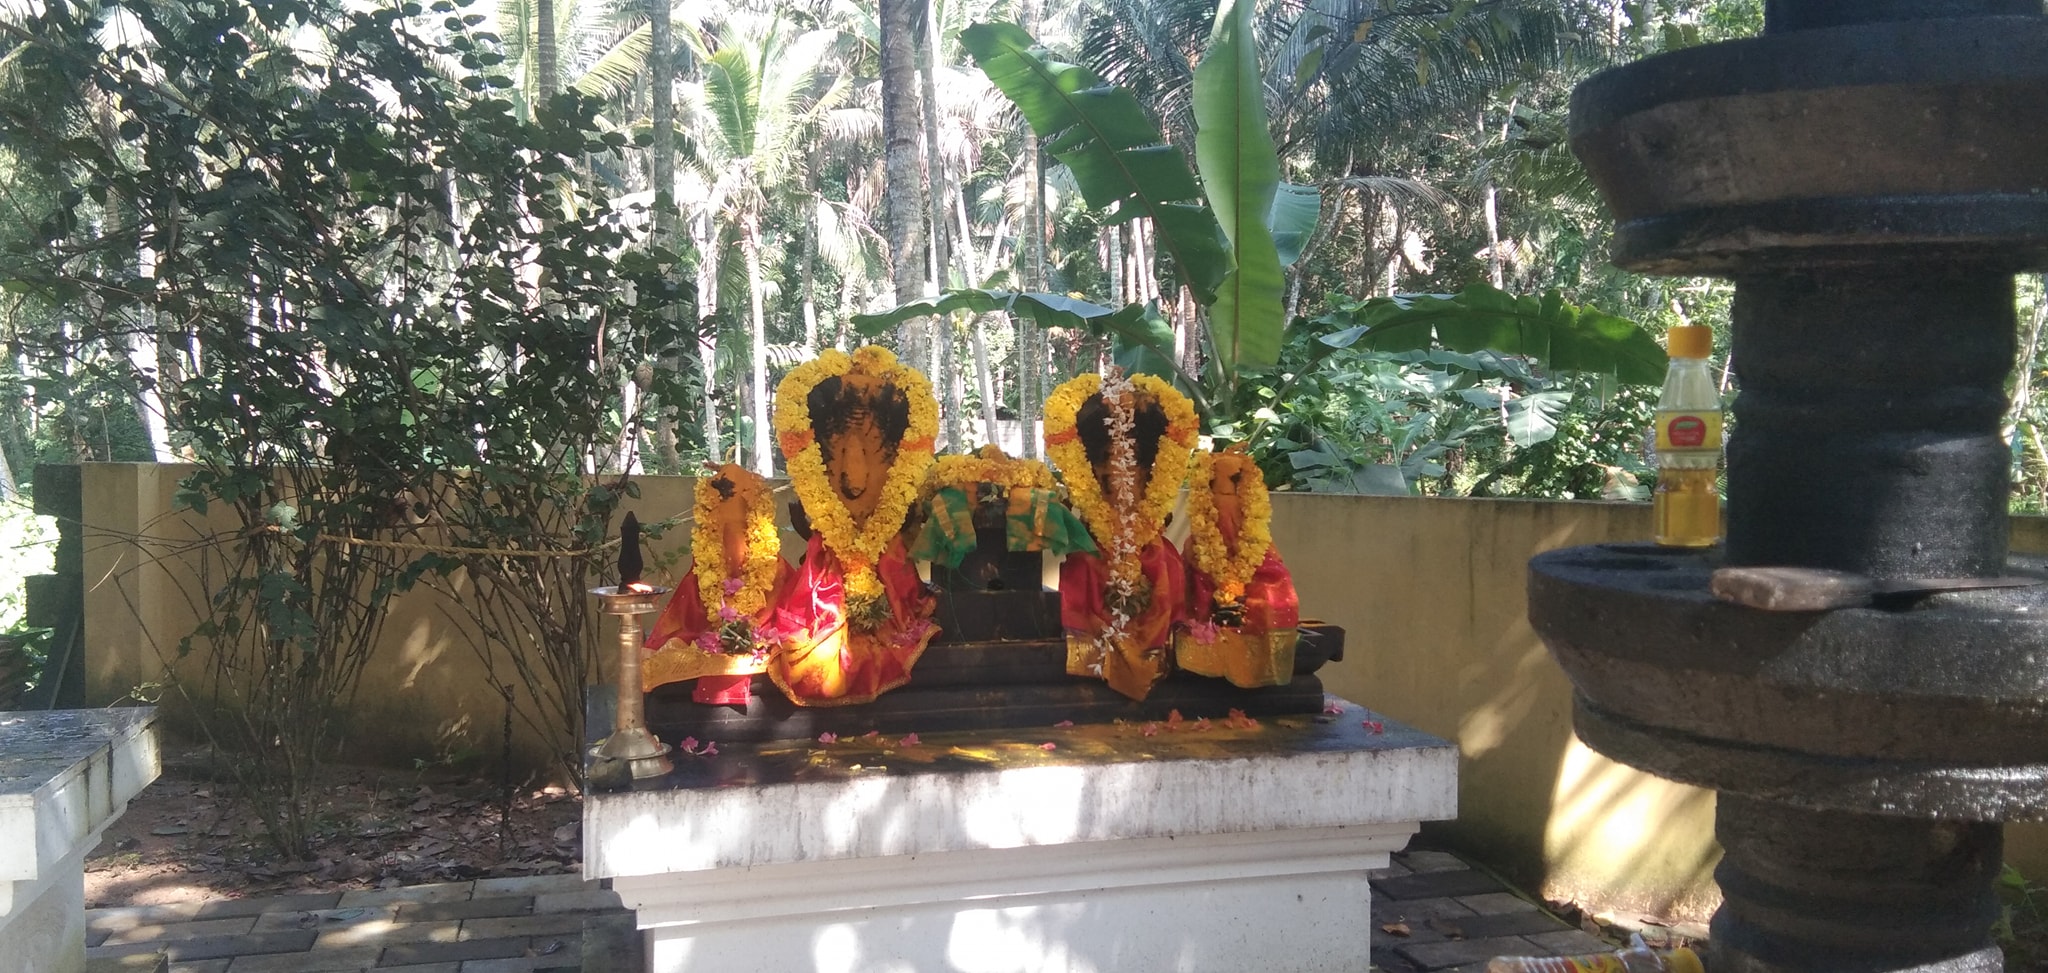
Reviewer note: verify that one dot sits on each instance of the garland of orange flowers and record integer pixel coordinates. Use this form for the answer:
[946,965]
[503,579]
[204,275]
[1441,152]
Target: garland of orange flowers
[1169,467]
[987,465]
[1232,569]
[764,547]
[859,546]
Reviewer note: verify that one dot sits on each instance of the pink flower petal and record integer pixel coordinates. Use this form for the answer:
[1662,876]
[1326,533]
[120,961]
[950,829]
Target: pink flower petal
[1048,746]
[1375,726]
[910,740]
[711,748]
[828,737]
[689,745]
[1064,723]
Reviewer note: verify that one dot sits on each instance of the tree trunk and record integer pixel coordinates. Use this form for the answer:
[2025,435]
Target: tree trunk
[750,245]
[661,75]
[903,202]
[935,207]
[810,279]
[548,80]
[707,344]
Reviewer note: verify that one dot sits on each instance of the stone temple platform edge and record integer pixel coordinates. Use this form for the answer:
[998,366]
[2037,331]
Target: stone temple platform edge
[1087,848]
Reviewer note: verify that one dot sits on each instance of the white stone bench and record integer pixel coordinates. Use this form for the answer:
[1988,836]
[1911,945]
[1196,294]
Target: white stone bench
[1236,850]
[64,776]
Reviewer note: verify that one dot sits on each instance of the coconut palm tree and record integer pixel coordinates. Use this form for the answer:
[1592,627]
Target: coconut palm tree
[759,97]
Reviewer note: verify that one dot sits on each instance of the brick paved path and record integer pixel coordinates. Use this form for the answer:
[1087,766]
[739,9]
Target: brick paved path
[1457,918]
[492,925]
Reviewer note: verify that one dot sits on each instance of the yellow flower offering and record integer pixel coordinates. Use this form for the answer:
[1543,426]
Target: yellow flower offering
[1231,474]
[857,431]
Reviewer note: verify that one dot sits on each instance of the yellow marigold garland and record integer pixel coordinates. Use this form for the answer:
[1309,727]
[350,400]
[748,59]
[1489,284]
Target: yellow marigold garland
[764,548]
[1231,569]
[1169,468]
[859,546]
[986,465]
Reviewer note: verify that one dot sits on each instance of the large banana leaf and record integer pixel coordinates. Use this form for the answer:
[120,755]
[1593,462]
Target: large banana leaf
[1044,310]
[1111,144]
[1141,340]
[1547,329]
[1241,173]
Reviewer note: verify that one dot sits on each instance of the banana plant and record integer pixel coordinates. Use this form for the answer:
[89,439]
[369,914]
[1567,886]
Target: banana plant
[1231,235]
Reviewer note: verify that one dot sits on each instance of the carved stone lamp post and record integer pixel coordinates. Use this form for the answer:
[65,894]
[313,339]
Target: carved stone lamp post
[1871,173]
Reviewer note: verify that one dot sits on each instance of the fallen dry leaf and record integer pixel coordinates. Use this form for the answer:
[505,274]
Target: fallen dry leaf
[1396,929]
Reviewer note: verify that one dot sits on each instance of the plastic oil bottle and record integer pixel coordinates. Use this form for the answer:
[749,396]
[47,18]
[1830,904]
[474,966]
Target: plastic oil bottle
[1688,443]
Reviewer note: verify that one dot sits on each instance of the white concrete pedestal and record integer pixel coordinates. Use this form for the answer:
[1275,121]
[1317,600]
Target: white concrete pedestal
[64,776]
[1224,849]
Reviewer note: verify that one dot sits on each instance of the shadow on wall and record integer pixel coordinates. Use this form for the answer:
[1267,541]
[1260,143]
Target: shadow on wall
[1432,594]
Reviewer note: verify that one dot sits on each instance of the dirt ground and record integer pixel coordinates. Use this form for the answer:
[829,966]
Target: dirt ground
[189,835]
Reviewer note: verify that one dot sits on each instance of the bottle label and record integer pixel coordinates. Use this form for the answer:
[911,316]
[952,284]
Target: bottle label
[1688,431]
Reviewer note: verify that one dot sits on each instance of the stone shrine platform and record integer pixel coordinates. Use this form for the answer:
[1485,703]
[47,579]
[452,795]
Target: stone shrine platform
[1127,847]
[64,776]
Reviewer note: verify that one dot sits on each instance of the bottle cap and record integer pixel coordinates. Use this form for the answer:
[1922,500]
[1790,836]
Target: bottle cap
[1689,341]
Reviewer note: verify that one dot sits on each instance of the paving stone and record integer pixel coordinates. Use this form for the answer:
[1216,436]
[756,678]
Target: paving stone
[286,921]
[592,900]
[1393,870]
[147,962]
[533,885]
[1496,902]
[1571,942]
[1423,862]
[1418,932]
[201,966]
[558,924]
[388,933]
[94,937]
[450,967]
[223,908]
[116,950]
[1385,960]
[1436,956]
[440,892]
[1499,924]
[170,931]
[444,952]
[523,964]
[213,947]
[311,961]
[1434,884]
[613,944]
[472,909]
[1417,910]
[130,916]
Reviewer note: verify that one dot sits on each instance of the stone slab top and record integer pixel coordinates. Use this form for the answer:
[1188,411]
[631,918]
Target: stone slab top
[40,748]
[866,796]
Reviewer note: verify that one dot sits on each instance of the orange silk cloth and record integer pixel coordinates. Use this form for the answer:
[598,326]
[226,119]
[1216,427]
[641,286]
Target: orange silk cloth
[827,662]
[683,638]
[1138,659]
[1258,652]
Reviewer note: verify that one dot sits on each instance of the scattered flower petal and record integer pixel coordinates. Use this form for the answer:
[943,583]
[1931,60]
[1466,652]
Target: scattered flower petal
[1150,730]
[710,748]
[871,734]
[1048,745]
[911,740]
[1332,707]
[1202,724]
[1237,720]
[1173,721]
[1064,723]
[828,737]
[1375,726]
[689,745]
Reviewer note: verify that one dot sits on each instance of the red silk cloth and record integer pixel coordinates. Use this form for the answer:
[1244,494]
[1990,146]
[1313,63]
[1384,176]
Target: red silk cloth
[1259,651]
[677,642]
[1139,658]
[825,661]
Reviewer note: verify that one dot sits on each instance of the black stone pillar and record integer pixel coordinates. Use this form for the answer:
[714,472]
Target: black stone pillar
[1871,173]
